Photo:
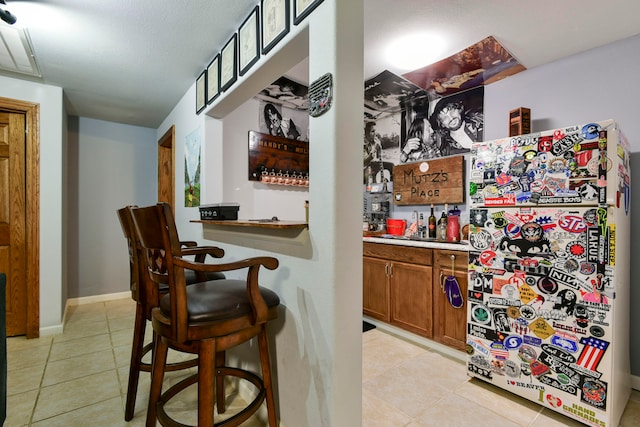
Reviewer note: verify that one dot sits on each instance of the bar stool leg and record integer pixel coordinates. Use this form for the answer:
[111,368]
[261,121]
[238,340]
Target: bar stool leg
[206,375]
[263,345]
[157,376]
[220,389]
[134,366]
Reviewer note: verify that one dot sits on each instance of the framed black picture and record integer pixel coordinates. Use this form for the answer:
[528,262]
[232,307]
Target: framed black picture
[213,79]
[302,9]
[229,63]
[201,89]
[249,42]
[274,22]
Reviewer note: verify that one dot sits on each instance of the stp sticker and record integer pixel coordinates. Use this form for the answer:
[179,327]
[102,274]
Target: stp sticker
[572,224]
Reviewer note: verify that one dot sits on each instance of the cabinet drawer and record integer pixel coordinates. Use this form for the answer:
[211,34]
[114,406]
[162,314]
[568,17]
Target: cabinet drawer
[442,258]
[412,255]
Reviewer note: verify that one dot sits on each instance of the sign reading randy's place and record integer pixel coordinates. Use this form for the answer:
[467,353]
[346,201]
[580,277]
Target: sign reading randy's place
[436,181]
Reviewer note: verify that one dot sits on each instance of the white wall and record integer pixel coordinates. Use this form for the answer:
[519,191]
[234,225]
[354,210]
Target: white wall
[110,165]
[595,85]
[317,338]
[51,193]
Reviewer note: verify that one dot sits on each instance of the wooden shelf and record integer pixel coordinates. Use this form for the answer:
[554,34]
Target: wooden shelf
[255,224]
[285,237]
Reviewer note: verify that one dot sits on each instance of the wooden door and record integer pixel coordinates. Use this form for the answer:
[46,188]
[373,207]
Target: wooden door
[13,219]
[411,297]
[375,288]
[450,326]
[166,168]
[20,214]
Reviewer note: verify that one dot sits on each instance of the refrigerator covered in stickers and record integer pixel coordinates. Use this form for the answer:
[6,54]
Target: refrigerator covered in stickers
[548,303]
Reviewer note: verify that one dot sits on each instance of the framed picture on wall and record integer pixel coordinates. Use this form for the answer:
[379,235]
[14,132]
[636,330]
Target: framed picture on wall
[213,79]
[201,89]
[274,22]
[249,41]
[302,9]
[228,63]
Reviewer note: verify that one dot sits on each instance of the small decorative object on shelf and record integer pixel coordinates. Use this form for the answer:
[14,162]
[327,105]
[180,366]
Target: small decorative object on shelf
[219,211]
[519,121]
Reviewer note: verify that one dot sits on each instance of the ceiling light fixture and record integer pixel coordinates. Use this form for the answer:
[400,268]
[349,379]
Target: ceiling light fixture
[7,16]
[415,51]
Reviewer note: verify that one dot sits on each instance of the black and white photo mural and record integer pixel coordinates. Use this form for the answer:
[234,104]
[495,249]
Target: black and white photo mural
[381,147]
[443,126]
[435,111]
[284,110]
[404,124]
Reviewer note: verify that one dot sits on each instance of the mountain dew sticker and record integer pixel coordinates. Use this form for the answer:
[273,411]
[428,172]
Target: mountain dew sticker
[612,245]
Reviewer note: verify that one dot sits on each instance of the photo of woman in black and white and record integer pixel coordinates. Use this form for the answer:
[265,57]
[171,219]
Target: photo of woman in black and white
[278,126]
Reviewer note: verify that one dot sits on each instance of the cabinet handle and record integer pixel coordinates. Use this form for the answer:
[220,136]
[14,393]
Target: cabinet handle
[386,269]
[442,280]
[391,270]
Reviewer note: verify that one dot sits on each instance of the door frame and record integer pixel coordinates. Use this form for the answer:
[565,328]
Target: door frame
[32,140]
[166,155]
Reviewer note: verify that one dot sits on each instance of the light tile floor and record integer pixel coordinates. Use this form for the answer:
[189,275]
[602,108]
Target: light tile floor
[405,384]
[79,379]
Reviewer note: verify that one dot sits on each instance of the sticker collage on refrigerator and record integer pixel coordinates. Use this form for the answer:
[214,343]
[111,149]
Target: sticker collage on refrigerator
[542,267]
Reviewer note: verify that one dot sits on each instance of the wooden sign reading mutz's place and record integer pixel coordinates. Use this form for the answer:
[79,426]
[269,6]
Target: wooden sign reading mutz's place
[436,181]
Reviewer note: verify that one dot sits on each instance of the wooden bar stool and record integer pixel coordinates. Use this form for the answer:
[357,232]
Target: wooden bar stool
[205,319]
[147,295]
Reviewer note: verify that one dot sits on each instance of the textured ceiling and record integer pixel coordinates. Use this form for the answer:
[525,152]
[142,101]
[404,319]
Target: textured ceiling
[131,61]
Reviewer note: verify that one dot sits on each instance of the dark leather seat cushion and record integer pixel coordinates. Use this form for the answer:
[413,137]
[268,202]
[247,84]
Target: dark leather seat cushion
[219,300]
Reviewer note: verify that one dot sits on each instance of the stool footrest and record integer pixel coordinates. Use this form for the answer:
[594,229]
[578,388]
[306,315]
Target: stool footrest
[234,420]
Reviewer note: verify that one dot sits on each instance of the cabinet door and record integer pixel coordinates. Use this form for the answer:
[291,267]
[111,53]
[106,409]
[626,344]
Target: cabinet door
[375,289]
[410,287]
[450,326]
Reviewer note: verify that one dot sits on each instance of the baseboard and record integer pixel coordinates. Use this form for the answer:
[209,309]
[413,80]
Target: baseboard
[98,298]
[635,382]
[51,330]
[418,340]
[58,329]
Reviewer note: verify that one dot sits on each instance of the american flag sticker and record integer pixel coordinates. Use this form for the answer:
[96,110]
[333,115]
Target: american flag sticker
[592,352]
[499,351]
